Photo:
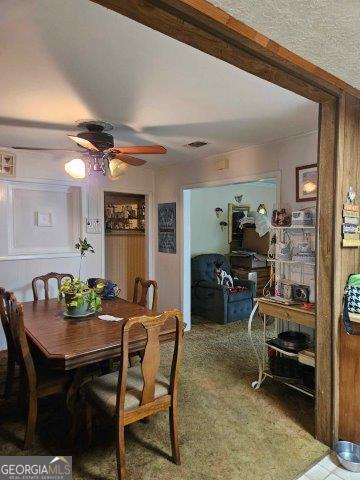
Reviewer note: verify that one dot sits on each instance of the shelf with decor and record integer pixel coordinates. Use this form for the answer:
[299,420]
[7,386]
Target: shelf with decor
[294,227]
[290,261]
[304,356]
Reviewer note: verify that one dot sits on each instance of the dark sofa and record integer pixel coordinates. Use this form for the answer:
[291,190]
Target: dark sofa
[213,301]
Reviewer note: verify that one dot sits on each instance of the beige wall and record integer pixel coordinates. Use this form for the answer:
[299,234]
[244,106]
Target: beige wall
[281,156]
[206,234]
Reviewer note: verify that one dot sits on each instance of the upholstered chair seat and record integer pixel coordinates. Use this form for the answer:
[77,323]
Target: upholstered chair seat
[103,390]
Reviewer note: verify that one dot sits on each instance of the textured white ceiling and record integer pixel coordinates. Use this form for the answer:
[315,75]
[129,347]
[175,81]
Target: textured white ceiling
[64,60]
[325,32]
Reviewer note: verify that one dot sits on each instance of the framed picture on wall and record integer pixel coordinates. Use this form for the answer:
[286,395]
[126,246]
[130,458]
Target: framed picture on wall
[167,227]
[124,213]
[306,183]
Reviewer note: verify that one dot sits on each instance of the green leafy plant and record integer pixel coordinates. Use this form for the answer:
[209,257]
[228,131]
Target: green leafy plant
[77,293]
[84,247]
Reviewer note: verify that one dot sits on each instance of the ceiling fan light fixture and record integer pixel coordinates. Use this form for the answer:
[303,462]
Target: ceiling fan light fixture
[117,168]
[76,168]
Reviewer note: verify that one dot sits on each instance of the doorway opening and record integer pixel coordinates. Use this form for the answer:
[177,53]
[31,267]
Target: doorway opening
[231,239]
[202,231]
[125,240]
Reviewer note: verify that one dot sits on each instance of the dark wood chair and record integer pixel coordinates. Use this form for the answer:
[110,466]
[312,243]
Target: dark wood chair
[45,280]
[11,355]
[135,393]
[40,382]
[145,286]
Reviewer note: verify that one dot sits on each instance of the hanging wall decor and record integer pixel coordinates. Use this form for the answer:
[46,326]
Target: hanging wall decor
[7,164]
[306,183]
[124,214]
[350,226]
[167,227]
[218,212]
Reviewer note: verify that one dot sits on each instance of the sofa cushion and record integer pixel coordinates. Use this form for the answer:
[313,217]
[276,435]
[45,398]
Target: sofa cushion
[103,390]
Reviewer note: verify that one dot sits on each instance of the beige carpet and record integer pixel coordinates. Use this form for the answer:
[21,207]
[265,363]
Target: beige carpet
[228,430]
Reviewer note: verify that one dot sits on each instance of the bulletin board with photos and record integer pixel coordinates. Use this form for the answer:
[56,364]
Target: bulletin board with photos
[124,213]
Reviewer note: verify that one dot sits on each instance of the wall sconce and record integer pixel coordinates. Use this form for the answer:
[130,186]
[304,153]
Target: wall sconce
[223,225]
[262,209]
[218,210]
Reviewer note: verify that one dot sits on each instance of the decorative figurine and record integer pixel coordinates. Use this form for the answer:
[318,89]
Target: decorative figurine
[351,196]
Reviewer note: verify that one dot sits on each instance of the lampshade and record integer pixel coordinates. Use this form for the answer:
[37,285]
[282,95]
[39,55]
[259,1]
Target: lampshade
[116,168]
[76,168]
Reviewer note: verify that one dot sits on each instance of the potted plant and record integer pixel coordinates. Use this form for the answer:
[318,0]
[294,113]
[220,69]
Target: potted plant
[80,299]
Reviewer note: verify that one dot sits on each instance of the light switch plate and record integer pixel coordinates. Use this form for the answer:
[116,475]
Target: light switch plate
[93,225]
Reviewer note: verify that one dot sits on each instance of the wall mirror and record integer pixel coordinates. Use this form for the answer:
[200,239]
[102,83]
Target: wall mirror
[235,214]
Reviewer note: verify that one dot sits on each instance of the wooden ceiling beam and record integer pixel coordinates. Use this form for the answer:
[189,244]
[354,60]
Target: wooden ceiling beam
[246,37]
[184,20]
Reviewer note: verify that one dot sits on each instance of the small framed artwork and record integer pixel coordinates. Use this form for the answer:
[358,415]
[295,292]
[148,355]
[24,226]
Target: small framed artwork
[44,219]
[306,183]
[7,164]
[167,227]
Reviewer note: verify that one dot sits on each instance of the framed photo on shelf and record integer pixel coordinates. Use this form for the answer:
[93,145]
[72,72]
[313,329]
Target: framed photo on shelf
[306,183]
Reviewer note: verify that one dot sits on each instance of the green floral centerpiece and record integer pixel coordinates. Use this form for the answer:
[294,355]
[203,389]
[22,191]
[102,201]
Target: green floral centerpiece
[80,299]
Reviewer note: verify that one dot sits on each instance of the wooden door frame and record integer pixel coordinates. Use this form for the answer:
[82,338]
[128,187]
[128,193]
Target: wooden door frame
[213,31]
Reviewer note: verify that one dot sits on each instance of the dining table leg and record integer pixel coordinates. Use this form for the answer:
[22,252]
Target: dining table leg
[73,401]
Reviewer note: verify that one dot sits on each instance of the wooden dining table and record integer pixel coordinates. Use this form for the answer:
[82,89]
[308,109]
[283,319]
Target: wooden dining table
[69,343]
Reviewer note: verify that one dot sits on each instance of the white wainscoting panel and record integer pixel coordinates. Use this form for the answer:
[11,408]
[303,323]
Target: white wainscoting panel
[29,205]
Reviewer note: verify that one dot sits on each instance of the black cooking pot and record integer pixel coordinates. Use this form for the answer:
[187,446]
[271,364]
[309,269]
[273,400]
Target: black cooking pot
[295,341]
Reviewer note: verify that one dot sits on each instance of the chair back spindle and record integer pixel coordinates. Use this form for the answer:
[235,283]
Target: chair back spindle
[151,359]
[45,280]
[21,346]
[145,286]
[4,315]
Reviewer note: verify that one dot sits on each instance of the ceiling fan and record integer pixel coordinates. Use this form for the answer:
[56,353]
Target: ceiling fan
[102,153]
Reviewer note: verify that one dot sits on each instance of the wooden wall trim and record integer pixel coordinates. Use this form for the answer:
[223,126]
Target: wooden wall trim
[186,31]
[220,31]
[347,360]
[325,271]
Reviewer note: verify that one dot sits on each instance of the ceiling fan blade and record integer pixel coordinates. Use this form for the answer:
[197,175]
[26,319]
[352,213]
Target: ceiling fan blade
[135,162]
[43,149]
[83,143]
[140,150]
